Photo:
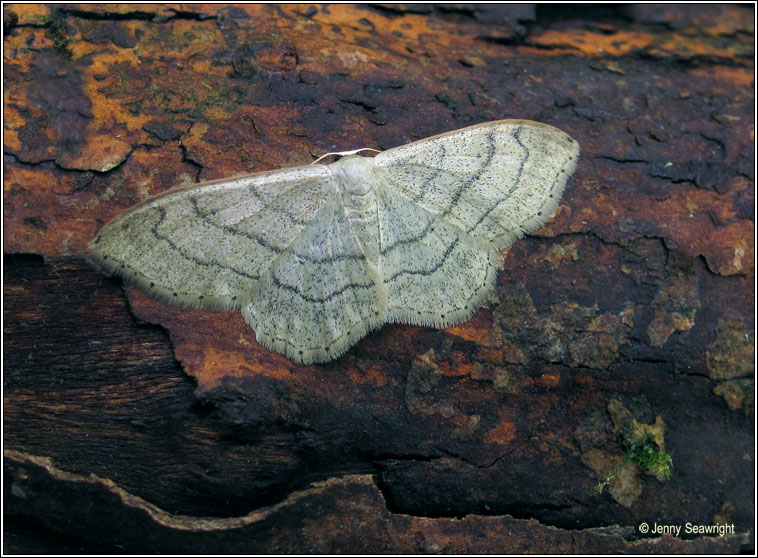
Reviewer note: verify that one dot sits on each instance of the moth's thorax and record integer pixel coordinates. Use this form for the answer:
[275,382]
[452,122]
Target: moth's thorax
[353,176]
[354,179]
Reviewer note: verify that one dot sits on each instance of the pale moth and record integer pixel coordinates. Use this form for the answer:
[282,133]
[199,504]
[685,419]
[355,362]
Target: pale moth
[319,255]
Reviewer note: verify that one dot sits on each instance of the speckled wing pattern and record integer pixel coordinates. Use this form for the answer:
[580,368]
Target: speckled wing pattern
[318,256]
[495,181]
[208,246]
[321,295]
[467,194]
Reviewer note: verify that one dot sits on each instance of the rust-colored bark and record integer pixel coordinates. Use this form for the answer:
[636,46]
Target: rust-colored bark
[630,313]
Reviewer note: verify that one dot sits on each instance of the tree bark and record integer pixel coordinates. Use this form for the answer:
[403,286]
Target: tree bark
[620,334]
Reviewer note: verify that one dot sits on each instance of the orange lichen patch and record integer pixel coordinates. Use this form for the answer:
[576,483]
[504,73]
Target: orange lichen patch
[143,178]
[731,76]
[210,365]
[53,212]
[694,219]
[503,433]
[478,329]
[548,380]
[30,14]
[12,120]
[372,375]
[594,44]
[355,20]
[725,248]
[10,138]
[53,224]
[211,345]
[731,248]
[109,67]
[101,152]
[71,129]
[686,47]
[620,43]
[457,365]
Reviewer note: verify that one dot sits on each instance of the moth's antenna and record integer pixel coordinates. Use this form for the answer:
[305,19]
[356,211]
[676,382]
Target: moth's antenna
[345,153]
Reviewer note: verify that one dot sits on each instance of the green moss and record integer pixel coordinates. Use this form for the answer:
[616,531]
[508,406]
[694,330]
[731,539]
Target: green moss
[56,30]
[646,454]
[651,459]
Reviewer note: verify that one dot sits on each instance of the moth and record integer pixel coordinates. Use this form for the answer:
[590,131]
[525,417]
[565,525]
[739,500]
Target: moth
[317,256]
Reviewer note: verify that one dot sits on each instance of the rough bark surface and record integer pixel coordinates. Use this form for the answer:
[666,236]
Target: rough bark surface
[627,321]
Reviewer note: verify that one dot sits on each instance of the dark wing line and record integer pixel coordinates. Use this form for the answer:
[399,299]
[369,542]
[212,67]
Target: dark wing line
[506,196]
[433,268]
[296,290]
[334,258]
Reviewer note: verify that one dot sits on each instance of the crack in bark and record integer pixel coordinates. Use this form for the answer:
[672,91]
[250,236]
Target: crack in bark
[136,15]
[190,161]
[621,161]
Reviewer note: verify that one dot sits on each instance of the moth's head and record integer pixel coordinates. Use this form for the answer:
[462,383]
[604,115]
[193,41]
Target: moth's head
[352,173]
